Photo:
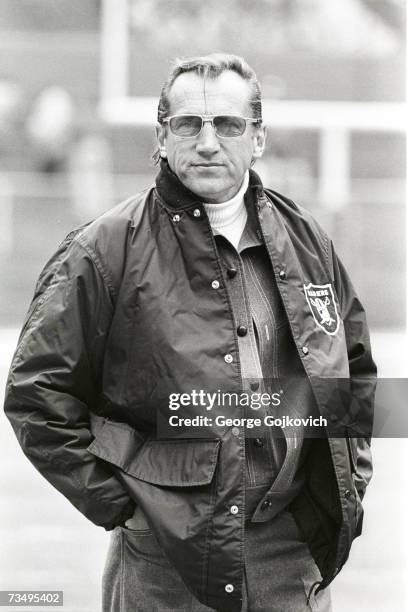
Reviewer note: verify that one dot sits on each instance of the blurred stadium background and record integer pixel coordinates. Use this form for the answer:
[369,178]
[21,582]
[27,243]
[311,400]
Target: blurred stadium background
[79,81]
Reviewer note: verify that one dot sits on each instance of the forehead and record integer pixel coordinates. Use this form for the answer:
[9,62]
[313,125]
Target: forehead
[227,93]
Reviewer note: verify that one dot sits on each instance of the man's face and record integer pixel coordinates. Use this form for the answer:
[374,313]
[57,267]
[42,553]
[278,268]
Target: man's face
[210,166]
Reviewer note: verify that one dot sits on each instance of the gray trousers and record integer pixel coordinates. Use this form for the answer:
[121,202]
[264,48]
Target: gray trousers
[279,572]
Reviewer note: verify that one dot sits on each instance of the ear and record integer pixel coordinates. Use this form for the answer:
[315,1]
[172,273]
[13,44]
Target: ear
[259,141]
[161,139]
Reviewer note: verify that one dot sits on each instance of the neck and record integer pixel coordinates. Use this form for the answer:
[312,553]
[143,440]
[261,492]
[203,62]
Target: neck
[229,218]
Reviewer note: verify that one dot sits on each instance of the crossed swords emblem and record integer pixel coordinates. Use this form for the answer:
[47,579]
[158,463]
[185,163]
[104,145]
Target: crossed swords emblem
[321,307]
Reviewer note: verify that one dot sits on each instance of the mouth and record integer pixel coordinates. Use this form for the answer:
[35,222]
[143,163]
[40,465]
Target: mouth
[207,165]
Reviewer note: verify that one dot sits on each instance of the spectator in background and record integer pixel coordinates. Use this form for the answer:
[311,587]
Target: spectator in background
[50,128]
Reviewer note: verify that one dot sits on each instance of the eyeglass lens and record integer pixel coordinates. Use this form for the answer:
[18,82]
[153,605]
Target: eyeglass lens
[190,125]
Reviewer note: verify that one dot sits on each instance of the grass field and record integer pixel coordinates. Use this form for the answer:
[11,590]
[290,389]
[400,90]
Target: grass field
[47,545]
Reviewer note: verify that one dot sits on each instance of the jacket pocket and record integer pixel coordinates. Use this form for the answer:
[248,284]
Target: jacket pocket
[174,484]
[117,443]
[177,463]
[168,463]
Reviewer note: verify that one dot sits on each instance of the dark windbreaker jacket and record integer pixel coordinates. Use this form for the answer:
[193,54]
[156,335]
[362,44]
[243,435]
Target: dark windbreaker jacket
[125,314]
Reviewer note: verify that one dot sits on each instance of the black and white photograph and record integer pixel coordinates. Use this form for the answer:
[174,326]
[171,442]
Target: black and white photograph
[203,306]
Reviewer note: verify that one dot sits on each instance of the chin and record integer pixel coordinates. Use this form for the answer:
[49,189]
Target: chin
[208,189]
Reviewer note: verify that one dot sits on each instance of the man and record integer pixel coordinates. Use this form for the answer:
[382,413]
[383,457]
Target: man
[204,284]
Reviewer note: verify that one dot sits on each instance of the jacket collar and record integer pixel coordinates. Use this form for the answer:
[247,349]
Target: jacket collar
[176,196]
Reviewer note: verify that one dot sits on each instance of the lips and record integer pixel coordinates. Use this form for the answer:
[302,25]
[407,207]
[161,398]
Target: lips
[209,165]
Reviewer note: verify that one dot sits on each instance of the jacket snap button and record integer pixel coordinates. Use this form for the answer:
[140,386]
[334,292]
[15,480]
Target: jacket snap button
[228,358]
[266,504]
[242,330]
[176,218]
[282,274]
[234,509]
[305,350]
[258,442]
[254,385]
[215,284]
[197,212]
[229,588]
[347,493]
[231,272]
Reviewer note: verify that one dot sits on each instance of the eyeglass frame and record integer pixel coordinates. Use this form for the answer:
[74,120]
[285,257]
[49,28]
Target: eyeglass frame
[210,119]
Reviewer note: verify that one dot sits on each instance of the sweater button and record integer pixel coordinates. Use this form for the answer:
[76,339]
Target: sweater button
[229,588]
[242,330]
[197,212]
[234,509]
[215,284]
[282,274]
[231,272]
[266,504]
[258,442]
[347,493]
[235,431]
[228,358]
[305,350]
[176,218]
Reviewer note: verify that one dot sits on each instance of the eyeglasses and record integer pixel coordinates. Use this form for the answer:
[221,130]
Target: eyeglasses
[225,126]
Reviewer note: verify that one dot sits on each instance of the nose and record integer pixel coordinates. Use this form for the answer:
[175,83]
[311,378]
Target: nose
[207,141]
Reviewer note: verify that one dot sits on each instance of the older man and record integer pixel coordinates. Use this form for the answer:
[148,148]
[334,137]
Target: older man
[204,286]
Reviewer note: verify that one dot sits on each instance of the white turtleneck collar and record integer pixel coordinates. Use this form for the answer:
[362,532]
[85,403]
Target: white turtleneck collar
[229,218]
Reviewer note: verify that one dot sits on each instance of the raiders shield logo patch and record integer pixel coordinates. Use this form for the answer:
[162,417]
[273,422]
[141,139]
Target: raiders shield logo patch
[323,306]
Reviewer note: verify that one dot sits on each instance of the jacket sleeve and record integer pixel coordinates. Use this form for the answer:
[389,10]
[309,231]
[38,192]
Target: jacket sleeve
[53,382]
[363,374]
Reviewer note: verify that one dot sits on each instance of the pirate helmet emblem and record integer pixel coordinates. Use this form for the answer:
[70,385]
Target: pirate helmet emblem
[323,306]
